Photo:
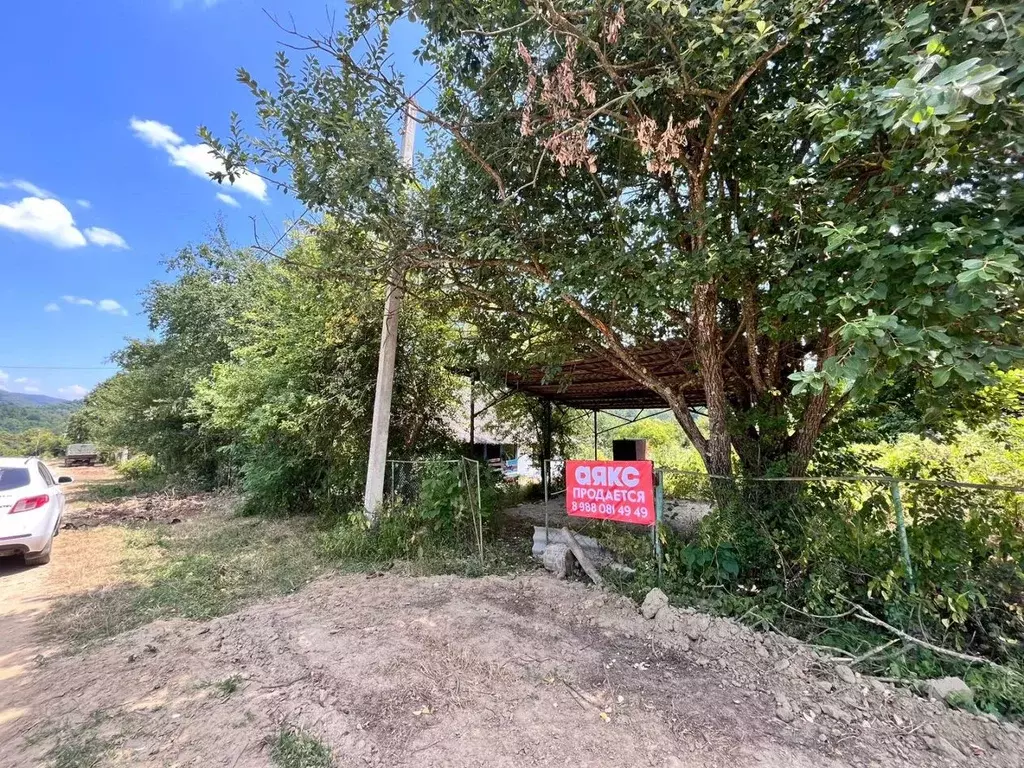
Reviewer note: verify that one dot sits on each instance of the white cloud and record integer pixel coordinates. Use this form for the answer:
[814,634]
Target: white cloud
[4,376]
[28,385]
[83,203]
[49,220]
[227,199]
[154,133]
[53,306]
[27,187]
[42,219]
[111,306]
[195,158]
[78,300]
[104,238]
[102,305]
[76,391]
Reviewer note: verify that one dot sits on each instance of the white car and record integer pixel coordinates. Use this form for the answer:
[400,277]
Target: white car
[31,508]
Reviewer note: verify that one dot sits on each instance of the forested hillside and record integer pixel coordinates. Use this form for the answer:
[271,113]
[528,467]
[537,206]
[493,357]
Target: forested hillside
[19,412]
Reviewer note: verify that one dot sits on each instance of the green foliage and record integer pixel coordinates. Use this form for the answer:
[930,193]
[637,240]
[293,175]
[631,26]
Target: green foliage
[140,467]
[229,685]
[32,442]
[148,405]
[294,401]
[825,544]
[262,372]
[296,748]
[430,521]
[442,493]
[822,545]
[813,197]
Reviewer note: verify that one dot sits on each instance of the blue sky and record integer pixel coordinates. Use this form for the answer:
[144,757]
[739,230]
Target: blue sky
[101,171]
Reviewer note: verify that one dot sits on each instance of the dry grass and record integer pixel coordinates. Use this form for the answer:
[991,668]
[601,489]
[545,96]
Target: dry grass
[88,559]
[198,569]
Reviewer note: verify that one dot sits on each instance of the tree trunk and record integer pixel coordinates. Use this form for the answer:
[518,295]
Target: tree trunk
[707,337]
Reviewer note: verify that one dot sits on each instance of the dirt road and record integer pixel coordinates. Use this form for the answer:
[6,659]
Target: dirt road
[82,560]
[387,670]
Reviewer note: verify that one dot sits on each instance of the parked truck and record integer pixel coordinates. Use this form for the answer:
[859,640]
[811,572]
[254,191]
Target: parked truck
[85,454]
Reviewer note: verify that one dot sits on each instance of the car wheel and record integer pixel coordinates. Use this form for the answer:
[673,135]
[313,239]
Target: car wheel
[42,558]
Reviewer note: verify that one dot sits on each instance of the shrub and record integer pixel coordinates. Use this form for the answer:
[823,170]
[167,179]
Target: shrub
[429,515]
[139,467]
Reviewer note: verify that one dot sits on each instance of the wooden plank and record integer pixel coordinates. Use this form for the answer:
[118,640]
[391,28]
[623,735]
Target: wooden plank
[581,557]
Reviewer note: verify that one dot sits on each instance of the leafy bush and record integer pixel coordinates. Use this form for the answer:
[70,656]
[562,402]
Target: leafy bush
[431,517]
[685,479]
[139,467]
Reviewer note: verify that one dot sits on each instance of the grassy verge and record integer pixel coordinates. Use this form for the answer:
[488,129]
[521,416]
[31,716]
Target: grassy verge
[216,564]
[404,542]
[100,491]
[196,570]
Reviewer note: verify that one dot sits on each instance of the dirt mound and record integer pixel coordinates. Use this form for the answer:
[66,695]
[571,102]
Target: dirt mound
[492,672]
[144,508]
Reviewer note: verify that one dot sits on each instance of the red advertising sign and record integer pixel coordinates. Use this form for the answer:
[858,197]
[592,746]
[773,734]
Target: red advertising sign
[611,490]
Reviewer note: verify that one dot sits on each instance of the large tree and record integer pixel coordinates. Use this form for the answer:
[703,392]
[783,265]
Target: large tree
[814,195]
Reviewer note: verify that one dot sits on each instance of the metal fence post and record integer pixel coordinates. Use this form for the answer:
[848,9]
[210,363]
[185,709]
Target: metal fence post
[659,506]
[901,527]
[546,472]
[480,512]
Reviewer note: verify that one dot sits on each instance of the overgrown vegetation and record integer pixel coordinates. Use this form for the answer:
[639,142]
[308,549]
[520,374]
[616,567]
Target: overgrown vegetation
[431,525]
[814,202]
[816,558]
[297,748]
[195,570]
[262,374]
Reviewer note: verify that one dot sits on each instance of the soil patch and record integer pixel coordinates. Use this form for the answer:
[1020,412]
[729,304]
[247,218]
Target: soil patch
[446,671]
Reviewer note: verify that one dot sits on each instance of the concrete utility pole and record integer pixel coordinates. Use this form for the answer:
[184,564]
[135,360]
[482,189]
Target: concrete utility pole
[377,464]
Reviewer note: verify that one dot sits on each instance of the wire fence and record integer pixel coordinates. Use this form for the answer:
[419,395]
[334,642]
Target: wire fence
[874,529]
[882,525]
[440,488]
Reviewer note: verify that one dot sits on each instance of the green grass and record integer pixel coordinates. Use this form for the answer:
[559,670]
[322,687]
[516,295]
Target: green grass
[218,563]
[196,570]
[223,688]
[402,541]
[296,748]
[77,747]
[229,685]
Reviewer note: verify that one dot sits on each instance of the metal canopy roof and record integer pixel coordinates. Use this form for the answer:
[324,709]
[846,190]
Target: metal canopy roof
[593,383]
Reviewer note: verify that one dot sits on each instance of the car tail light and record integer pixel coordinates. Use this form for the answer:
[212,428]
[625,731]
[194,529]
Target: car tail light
[32,502]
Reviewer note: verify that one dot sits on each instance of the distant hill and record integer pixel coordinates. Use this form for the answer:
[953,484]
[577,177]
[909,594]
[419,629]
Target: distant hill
[23,398]
[20,411]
